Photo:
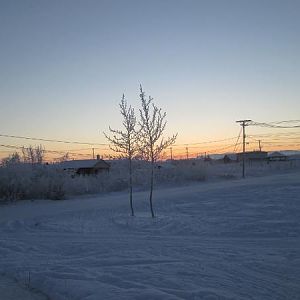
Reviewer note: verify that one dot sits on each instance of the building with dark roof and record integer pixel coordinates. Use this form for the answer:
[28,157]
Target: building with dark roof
[253,156]
[84,166]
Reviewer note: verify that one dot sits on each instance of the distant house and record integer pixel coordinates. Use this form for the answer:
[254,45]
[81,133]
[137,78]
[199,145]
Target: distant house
[277,156]
[84,166]
[253,156]
[228,158]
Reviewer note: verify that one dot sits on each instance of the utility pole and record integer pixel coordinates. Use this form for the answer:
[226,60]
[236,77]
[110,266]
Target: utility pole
[244,123]
[171,153]
[187,152]
[259,145]
[93,153]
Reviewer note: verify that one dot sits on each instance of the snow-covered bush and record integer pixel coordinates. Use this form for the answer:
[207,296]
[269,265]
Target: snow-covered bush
[181,172]
[79,185]
[115,180]
[168,173]
[14,182]
[27,181]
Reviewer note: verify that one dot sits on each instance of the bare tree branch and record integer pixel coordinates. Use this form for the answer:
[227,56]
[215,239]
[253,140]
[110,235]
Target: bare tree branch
[151,142]
[125,142]
[33,155]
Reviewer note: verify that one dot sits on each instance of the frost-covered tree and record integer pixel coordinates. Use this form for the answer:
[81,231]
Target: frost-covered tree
[124,142]
[63,158]
[152,126]
[33,155]
[12,159]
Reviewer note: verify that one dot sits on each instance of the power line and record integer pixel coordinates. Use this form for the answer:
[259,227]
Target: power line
[281,143]
[207,142]
[101,144]
[51,140]
[268,138]
[234,149]
[223,148]
[286,121]
[83,149]
[46,151]
[276,138]
[276,124]
[276,134]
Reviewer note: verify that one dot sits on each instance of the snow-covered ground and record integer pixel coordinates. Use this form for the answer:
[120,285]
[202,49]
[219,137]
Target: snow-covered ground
[235,239]
[12,290]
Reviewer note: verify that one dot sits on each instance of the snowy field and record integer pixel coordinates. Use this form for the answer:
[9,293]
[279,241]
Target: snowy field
[235,239]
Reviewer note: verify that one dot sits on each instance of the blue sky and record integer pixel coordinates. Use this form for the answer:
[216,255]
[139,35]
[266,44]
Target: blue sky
[65,64]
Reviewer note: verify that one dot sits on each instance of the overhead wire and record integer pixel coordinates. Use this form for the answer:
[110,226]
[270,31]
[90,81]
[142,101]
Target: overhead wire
[51,140]
[206,142]
[276,124]
[270,138]
[46,151]
[234,149]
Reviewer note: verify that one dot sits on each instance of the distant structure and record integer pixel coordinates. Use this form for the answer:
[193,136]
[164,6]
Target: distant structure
[85,166]
[252,156]
[277,156]
[229,158]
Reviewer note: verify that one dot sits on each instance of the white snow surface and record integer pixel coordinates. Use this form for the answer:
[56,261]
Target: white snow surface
[235,239]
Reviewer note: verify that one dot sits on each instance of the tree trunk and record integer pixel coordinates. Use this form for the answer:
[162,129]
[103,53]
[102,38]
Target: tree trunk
[151,188]
[130,187]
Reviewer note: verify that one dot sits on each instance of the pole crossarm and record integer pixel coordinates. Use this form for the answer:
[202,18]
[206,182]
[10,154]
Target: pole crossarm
[245,122]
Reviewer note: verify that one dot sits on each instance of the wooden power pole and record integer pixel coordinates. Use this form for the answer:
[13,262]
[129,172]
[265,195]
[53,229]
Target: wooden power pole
[244,123]
[259,145]
[187,151]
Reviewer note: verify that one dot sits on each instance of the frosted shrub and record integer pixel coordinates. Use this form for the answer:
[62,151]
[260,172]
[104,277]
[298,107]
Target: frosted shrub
[117,185]
[24,181]
[220,170]
[195,172]
[55,187]
[79,185]
[115,180]
[169,173]
[181,172]
[27,181]
[46,183]
[14,182]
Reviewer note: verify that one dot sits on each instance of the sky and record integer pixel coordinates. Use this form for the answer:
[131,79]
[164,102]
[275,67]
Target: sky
[64,66]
